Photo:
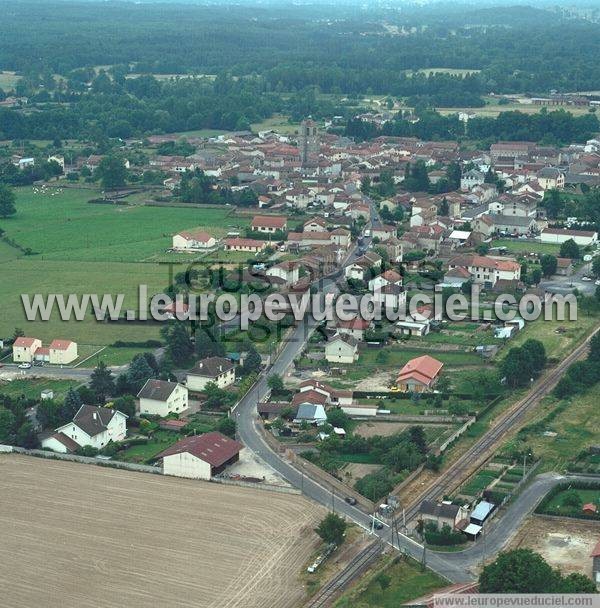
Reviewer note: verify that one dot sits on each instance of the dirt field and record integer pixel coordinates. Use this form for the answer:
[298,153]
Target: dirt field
[76,535]
[355,471]
[564,544]
[385,429]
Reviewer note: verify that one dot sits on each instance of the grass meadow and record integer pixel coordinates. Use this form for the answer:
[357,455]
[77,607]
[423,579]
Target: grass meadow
[92,248]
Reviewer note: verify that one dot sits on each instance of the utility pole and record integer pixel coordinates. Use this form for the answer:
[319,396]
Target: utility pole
[332,500]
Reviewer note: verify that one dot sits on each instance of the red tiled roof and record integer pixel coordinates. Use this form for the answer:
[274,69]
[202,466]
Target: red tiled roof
[23,342]
[310,396]
[424,369]
[269,221]
[240,242]
[214,448]
[356,323]
[201,236]
[60,344]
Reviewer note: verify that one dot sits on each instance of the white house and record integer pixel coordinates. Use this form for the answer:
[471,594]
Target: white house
[200,456]
[193,241]
[219,370]
[341,349]
[160,398]
[95,426]
[62,352]
[286,271]
[24,349]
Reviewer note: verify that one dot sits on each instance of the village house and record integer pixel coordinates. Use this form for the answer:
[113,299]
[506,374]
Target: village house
[551,178]
[383,232]
[564,267]
[24,349]
[241,244]
[444,513]
[486,270]
[419,375]
[219,370]
[355,328]
[62,352]
[200,456]
[268,224]
[288,272]
[342,349]
[91,426]
[334,396]
[470,179]
[310,413]
[341,237]
[193,241]
[315,224]
[161,398]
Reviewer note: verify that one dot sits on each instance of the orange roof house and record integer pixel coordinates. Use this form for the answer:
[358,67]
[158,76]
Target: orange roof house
[419,374]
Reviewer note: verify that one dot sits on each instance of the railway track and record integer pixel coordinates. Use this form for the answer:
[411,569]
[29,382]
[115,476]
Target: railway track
[339,582]
[456,474]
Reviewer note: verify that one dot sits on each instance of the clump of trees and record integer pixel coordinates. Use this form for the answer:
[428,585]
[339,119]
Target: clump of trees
[522,364]
[332,529]
[525,571]
[581,375]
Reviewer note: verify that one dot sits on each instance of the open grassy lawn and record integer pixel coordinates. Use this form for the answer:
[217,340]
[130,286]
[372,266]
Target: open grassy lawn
[160,441]
[32,387]
[8,80]
[576,427]
[557,344]
[559,503]
[522,246]
[278,123]
[62,225]
[407,582]
[30,275]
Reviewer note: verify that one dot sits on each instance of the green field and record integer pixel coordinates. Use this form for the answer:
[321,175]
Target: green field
[407,581]
[160,441]
[32,387]
[557,344]
[277,123]
[76,230]
[525,247]
[8,80]
[92,248]
[575,423]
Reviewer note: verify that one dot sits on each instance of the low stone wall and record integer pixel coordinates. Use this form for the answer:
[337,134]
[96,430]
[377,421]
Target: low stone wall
[115,464]
[256,486]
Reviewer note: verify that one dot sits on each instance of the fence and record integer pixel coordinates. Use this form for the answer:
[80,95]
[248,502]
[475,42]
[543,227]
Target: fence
[457,434]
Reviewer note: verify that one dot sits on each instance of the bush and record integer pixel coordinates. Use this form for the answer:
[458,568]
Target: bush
[445,537]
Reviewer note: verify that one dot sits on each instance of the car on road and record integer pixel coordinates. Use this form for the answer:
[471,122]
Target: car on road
[597,282]
[378,525]
[350,500]
[586,279]
[38,363]
[25,366]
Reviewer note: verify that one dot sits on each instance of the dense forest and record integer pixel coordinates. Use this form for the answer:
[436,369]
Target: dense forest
[517,49]
[97,70]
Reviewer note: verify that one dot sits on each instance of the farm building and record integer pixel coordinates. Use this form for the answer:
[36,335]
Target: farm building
[201,456]
[160,398]
[241,244]
[193,241]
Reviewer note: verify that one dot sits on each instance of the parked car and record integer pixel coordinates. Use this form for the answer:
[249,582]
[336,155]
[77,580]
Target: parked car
[350,500]
[25,366]
[586,279]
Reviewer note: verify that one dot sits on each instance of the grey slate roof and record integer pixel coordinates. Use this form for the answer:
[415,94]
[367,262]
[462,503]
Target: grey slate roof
[94,420]
[211,367]
[433,509]
[158,390]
